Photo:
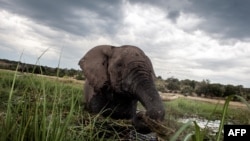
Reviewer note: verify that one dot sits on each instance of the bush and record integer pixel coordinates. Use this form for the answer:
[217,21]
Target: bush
[79,76]
[187,90]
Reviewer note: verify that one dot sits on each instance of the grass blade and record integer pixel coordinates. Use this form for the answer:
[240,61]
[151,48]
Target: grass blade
[224,113]
[243,100]
[177,134]
[199,135]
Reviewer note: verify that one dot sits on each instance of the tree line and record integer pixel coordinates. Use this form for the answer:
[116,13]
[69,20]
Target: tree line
[203,88]
[187,87]
[37,69]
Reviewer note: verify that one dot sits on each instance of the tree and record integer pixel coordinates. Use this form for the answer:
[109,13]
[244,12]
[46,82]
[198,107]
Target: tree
[229,90]
[173,84]
[80,76]
[71,72]
[188,82]
[187,90]
[202,87]
[160,84]
[216,90]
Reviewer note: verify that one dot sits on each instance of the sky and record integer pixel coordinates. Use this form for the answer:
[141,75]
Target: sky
[185,39]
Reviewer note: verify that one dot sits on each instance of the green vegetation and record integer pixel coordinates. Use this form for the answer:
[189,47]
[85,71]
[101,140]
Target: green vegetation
[185,108]
[190,108]
[203,88]
[38,108]
[186,87]
[36,69]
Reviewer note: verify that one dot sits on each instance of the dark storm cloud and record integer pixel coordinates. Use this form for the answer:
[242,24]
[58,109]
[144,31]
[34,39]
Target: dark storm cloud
[189,38]
[80,17]
[229,18]
[173,15]
[225,19]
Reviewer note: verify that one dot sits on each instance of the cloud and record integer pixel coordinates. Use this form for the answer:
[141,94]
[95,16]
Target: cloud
[76,17]
[184,39]
[18,34]
[188,21]
[177,52]
[224,19]
[230,17]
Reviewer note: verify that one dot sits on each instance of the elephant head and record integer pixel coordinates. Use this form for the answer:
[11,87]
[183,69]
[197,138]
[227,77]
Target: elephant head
[118,77]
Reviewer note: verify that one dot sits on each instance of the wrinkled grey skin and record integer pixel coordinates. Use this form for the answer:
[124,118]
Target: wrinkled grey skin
[118,77]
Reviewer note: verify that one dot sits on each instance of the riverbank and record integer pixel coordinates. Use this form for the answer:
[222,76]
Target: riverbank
[174,96]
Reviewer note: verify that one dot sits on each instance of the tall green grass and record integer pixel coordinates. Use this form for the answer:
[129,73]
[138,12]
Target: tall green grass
[37,108]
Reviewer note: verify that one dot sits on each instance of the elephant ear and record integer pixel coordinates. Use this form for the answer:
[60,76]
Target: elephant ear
[94,65]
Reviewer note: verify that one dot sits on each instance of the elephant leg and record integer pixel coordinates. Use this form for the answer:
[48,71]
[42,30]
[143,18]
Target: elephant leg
[105,102]
[94,102]
[115,105]
[123,108]
[97,104]
[113,109]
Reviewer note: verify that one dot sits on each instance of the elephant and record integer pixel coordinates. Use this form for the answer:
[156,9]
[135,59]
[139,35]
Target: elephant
[116,79]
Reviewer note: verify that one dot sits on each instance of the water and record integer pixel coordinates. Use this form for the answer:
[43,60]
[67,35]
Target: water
[213,125]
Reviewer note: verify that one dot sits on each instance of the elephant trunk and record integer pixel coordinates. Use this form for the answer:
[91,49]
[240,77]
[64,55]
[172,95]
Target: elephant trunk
[150,99]
[140,83]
